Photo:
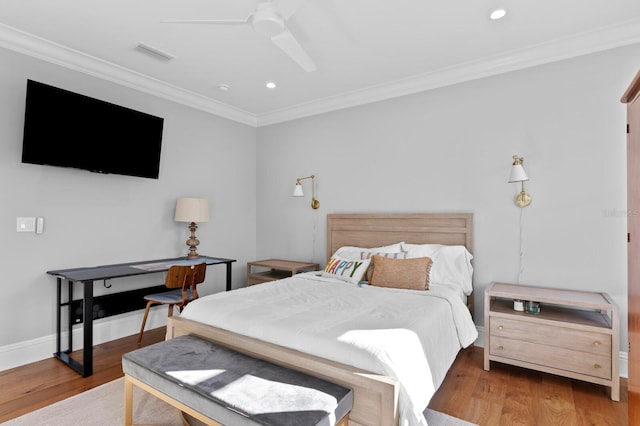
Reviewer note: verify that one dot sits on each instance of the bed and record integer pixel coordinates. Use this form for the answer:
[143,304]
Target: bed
[361,336]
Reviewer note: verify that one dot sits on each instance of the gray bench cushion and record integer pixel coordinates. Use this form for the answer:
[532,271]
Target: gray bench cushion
[245,390]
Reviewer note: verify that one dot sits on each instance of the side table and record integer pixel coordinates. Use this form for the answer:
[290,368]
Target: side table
[276,269]
[575,334]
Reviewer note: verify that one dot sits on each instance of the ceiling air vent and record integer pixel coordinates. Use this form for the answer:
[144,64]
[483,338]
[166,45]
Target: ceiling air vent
[154,52]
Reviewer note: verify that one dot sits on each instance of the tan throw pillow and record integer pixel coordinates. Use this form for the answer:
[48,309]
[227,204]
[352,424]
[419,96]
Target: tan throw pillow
[411,274]
[369,254]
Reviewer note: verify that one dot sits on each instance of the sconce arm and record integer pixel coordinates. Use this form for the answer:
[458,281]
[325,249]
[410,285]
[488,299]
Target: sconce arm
[314,203]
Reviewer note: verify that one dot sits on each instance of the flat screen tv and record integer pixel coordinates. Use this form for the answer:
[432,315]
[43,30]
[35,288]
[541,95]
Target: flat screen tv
[67,129]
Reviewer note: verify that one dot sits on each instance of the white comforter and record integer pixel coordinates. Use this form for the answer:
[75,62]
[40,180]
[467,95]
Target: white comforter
[413,336]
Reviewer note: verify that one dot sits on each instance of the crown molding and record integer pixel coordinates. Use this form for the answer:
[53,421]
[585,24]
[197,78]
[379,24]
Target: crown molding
[40,48]
[601,39]
[604,38]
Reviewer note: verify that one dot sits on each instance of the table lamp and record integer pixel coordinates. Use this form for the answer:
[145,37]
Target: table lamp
[192,210]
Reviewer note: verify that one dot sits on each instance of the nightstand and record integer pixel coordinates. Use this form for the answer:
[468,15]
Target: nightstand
[575,334]
[276,269]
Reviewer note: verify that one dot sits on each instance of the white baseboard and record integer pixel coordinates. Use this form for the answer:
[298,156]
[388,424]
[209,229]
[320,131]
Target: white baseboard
[624,364]
[623,357]
[104,330]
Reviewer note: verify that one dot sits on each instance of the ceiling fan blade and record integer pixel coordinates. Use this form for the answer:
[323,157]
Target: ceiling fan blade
[247,20]
[288,43]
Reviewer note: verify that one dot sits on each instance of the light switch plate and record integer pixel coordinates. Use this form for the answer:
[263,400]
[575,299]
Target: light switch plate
[26,224]
[39,225]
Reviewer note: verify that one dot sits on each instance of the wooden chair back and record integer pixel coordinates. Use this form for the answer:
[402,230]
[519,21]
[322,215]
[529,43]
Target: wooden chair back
[183,277]
[186,277]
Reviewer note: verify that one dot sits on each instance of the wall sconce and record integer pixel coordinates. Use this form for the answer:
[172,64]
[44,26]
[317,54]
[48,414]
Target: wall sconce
[192,210]
[518,175]
[297,191]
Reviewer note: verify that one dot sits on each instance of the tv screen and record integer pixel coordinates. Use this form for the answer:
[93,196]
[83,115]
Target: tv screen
[66,129]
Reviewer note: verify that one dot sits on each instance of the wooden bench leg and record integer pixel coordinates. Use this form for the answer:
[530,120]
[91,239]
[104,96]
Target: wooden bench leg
[128,401]
[177,404]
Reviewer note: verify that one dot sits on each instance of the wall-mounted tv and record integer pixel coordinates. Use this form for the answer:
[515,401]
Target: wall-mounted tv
[67,129]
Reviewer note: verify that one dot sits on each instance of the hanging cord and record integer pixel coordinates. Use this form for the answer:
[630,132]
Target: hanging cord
[521,264]
[313,239]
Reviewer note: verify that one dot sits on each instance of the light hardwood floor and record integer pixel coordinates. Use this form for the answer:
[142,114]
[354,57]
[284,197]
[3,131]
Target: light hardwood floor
[509,395]
[41,383]
[504,396]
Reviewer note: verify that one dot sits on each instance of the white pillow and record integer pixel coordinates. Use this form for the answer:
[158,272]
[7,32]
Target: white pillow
[394,255]
[355,253]
[451,264]
[344,269]
[423,249]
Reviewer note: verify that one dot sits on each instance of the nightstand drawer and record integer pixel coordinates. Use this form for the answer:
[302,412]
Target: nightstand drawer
[584,341]
[564,359]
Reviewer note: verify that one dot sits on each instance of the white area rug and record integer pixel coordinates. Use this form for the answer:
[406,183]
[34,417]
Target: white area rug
[104,406]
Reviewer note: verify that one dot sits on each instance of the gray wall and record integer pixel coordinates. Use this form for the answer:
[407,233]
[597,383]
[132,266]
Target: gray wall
[93,219]
[450,150]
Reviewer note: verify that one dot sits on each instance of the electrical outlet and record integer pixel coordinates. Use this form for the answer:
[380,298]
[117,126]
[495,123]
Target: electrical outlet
[26,224]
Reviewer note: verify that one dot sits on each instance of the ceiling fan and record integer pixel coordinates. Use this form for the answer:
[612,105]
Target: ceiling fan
[267,20]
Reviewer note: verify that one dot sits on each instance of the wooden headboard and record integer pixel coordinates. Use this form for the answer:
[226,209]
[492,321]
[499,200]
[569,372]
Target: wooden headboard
[374,230]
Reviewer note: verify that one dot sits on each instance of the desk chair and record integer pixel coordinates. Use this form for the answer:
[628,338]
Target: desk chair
[182,278]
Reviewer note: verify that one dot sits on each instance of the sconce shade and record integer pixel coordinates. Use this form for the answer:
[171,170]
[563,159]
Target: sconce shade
[192,210]
[297,191]
[517,171]
[518,174]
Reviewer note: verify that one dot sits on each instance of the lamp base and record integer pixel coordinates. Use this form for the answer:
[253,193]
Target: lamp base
[315,204]
[523,199]
[193,242]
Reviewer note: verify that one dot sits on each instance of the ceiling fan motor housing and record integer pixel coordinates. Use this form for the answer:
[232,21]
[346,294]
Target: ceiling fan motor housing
[266,20]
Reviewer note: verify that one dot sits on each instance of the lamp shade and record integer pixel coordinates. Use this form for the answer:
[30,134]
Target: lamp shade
[518,174]
[192,210]
[297,191]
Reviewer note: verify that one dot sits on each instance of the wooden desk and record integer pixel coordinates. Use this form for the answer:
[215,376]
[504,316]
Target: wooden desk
[87,276]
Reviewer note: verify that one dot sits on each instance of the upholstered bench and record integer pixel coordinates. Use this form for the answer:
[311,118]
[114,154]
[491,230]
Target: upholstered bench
[217,385]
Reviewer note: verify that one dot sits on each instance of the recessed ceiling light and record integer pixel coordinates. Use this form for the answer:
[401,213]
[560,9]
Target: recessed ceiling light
[270,85]
[498,14]
[223,87]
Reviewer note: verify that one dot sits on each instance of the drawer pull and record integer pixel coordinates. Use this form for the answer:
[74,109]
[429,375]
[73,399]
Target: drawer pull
[596,343]
[596,366]
[500,347]
[500,327]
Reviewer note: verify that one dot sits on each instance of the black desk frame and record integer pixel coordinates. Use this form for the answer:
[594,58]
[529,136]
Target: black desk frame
[87,276]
